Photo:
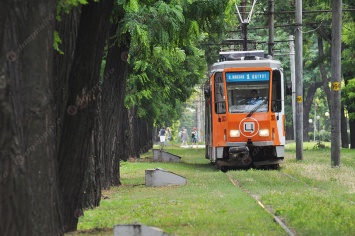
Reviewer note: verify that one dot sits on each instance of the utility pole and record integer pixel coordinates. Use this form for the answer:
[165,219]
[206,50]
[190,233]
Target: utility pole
[315,121]
[201,131]
[293,83]
[199,114]
[299,82]
[244,26]
[271,28]
[336,82]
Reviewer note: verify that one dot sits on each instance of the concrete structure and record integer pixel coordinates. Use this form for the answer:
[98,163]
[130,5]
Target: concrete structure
[137,230]
[158,177]
[163,156]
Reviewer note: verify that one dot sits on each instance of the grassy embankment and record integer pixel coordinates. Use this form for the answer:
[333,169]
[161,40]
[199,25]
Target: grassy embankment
[318,200]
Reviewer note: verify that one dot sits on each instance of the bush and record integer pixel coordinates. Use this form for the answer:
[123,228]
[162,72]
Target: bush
[324,135]
[320,136]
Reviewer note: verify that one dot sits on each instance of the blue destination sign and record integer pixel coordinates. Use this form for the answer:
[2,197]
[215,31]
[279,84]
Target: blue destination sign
[248,76]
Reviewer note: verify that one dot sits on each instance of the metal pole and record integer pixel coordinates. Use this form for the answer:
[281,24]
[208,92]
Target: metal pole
[199,115]
[315,122]
[245,36]
[336,81]
[244,26]
[299,82]
[292,69]
[271,28]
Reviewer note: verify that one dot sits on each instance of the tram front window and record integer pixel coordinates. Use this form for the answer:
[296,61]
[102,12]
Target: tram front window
[244,98]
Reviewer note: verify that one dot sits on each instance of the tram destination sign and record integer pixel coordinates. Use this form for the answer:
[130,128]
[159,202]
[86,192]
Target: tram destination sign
[248,76]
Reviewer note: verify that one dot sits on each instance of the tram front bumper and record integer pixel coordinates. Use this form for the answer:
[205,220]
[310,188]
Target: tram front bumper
[238,150]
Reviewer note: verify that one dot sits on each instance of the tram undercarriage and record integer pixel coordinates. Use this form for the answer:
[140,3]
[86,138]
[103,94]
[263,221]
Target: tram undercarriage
[246,157]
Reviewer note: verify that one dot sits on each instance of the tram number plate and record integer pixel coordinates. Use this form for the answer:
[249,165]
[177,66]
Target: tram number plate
[249,127]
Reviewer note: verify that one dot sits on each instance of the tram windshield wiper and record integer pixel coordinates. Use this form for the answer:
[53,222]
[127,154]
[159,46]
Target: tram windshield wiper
[257,107]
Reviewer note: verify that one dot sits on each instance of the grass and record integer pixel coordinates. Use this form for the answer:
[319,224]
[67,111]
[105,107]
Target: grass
[316,201]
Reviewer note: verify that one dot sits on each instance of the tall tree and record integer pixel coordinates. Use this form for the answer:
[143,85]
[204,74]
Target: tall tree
[67,30]
[113,109]
[348,95]
[29,197]
[348,35]
[77,148]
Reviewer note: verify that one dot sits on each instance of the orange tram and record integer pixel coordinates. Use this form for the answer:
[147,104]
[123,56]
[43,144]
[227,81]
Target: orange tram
[245,117]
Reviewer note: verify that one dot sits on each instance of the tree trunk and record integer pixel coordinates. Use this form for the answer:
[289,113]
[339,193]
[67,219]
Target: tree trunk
[113,95]
[307,108]
[67,29]
[352,133]
[77,148]
[4,6]
[344,129]
[122,137]
[323,72]
[347,76]
[133,132]
[68,32]
[29,197]
[138,135]
[145,136]
[123,144]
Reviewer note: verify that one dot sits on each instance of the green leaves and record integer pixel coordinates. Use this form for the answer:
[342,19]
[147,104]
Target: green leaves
[67,5]
[57,40]
[152,25]
[165,62]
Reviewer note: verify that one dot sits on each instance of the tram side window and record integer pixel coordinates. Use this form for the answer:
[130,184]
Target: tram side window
[220,103]
[276,91]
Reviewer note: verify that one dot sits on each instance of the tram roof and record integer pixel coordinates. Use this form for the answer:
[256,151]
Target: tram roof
[244,59]
[246,63]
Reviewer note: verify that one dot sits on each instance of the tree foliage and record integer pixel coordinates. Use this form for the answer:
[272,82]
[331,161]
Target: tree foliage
[165,59]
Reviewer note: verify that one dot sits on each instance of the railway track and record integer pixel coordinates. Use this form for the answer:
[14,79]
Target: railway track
[279,221]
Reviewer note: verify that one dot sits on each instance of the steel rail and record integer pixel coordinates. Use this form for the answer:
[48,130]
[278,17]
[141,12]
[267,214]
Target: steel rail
[276,219]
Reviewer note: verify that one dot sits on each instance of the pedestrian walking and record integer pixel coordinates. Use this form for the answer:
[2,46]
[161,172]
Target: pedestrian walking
[162,136]
[194,136]
[184,136]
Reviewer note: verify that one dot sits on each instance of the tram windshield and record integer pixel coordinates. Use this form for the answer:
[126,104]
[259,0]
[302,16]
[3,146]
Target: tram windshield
[248,91]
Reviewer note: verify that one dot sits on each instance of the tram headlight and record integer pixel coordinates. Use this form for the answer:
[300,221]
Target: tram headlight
[234,133]
[264,132]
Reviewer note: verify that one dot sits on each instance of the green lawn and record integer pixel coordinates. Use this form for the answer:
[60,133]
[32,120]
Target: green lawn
[318,200]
